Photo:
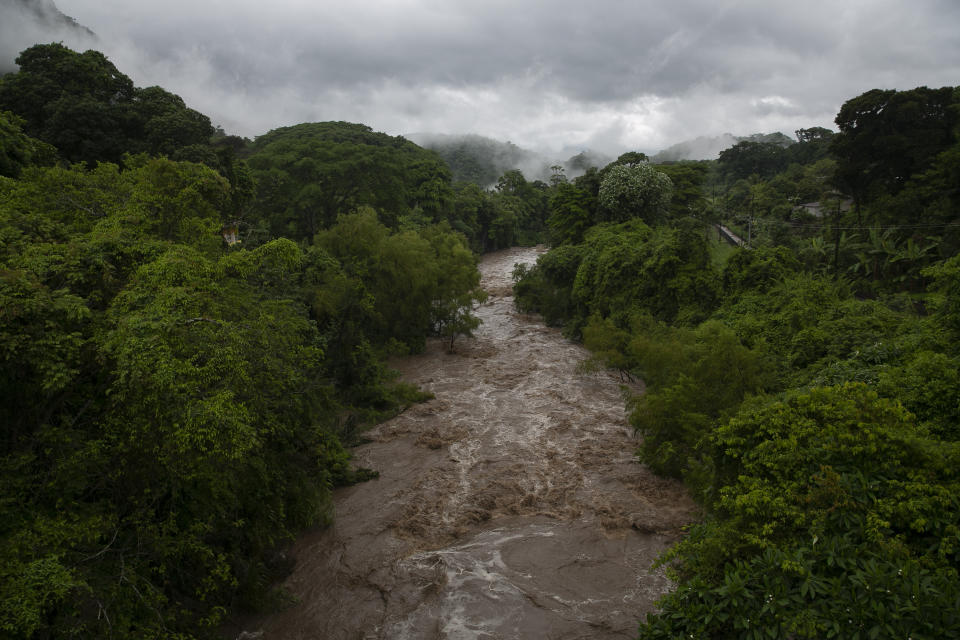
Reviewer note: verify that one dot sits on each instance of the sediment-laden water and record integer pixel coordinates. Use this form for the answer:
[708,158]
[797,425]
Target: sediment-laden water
[510,506]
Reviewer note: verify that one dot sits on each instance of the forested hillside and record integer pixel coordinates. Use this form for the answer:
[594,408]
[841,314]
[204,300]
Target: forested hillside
[805,386]
[482,161]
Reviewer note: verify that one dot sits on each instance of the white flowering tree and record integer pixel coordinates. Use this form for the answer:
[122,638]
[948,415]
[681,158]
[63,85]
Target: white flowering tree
[634,191]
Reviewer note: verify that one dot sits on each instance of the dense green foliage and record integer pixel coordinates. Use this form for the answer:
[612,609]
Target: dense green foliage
[308,174]
[175,406]
[172,409]
[620,270]
[806,388]
[834,516]
[886,137]
[82,105]
[17,149]
[753,158]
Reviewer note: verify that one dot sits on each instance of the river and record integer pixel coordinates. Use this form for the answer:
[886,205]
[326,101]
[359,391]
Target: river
[510,506]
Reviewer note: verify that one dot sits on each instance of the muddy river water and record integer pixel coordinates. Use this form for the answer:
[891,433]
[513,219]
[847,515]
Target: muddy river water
[510,506]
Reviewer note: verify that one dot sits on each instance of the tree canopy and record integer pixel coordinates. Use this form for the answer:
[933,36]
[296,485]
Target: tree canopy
[748,158]
[888,136]
[85,107]
[309,174]
[634,190]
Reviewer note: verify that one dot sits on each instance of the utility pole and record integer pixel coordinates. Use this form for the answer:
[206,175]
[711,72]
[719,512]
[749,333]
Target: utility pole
[836,242]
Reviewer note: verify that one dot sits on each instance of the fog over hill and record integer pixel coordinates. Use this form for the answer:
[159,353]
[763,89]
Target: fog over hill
[475,158]
[27,22]
[708,148]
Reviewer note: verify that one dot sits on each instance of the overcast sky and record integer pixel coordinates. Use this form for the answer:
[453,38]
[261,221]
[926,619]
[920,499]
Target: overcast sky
[555,76]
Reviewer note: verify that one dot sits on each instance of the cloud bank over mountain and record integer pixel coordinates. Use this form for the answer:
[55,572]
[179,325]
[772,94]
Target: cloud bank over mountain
[27,22]
[557,76]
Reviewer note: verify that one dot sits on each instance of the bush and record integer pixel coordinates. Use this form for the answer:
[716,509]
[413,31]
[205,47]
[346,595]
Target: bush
[833,517]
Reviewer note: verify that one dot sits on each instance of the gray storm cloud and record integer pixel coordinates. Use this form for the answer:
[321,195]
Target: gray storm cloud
[609,75]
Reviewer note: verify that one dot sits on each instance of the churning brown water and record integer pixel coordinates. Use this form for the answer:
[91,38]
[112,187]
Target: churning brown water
[510,506]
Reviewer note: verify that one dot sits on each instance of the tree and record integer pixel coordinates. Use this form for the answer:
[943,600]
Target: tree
[74,101]
[166,124]
[813,133]
[557,175]
[629,267]
[631,158]
[180,201]
[888,136]
[572,212]
[747,158]
[469,201]
[418,283]
[519,209]
[675,416]
[165,409]
[458,285]
[634,191]
[946,286]
[688,179]
[813,145]
[397,270]
[928,198]
[547,287]
[928,385]
[757,270]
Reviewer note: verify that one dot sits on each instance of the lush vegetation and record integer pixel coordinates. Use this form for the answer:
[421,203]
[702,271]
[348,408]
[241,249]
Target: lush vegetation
[176,403]
[194,326]
[807,388]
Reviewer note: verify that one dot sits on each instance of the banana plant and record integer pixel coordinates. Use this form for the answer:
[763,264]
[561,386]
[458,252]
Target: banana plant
[873,256]
[912,257]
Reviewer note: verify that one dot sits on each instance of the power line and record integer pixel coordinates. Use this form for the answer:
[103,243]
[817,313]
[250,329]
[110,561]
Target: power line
[798,225]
